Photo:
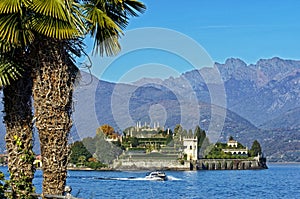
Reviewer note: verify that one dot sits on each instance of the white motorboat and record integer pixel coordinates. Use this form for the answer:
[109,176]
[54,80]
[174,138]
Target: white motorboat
[156,175]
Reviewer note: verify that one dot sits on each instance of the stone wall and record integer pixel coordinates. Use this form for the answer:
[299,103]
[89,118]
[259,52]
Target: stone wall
[150,164]
[230,164]
[202,164]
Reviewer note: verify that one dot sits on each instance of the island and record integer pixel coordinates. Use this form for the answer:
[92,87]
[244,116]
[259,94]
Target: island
[146,147]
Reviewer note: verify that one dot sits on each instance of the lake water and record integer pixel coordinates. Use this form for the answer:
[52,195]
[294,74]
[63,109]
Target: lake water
[279,181]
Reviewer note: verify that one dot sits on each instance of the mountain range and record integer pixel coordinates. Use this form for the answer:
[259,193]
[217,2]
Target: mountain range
[247,101]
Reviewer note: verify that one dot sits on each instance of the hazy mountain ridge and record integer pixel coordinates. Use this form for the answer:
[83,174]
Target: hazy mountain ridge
[274,89]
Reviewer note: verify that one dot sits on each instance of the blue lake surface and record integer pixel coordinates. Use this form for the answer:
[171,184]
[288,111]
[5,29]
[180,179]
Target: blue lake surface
[279,181]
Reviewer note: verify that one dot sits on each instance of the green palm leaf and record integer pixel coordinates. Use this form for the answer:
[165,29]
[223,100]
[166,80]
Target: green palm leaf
[5,47]
[107,18]
[58,19]
[106,43]
[53,8]
[8,71]
[105,31]
[77,16]
[133,7]
[12,30]
[10,6]
[54,28]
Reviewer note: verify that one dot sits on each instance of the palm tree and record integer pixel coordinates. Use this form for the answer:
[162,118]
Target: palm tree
[53,31]
[54,83]
[19,27]
[52,93]
[19,140]
[18,121]
[17,89]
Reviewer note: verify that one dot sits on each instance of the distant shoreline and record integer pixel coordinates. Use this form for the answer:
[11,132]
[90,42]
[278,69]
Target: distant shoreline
[88,169]
[283,162]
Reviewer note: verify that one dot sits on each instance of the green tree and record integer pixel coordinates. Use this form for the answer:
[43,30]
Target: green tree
[77,150]
[81,160]
[169,140]
[255,148]
[178,130]
[200,134]
[134,141]
[90,144]
[190,133]
[95,165]
[106,151]
[184,133]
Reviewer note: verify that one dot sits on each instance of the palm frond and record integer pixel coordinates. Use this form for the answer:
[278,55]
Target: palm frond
[77,16]
[54,28]
[5,47]
[13,31]
[107,18]
[133,7]
[105,31]
[98,18]
[106,43]
[10,6]
[8,72]
[51,8]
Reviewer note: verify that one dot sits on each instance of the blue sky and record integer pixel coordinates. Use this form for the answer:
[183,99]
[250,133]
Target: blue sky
[249,30]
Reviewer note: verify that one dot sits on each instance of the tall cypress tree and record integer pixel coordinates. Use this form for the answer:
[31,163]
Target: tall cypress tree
[255,149]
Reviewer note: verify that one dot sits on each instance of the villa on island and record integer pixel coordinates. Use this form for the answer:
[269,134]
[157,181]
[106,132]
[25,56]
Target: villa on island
[234,149]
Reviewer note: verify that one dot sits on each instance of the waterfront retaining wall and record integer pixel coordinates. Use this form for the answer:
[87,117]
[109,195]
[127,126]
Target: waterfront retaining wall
[230,164]
[202,164]
[150,164]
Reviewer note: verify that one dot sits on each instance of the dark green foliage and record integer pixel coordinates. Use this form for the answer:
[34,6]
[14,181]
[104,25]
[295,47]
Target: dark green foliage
[77,150]
[185,156]
[190,133]
[106,151]
[103,151]
[169,140]
[136,149]
[134,141]
[255,149]
[200,134]
[216,152]
[95,165]
[240,146]
[178,129]
[90,144]
[117,143]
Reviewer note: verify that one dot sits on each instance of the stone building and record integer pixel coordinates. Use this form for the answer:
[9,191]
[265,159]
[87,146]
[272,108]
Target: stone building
[190,148]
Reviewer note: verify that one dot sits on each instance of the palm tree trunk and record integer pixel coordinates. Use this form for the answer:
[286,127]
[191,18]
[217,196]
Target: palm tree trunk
[19,143]
[52,94]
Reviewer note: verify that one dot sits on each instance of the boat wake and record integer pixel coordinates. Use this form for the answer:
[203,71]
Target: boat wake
[172,178]
[169,178]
